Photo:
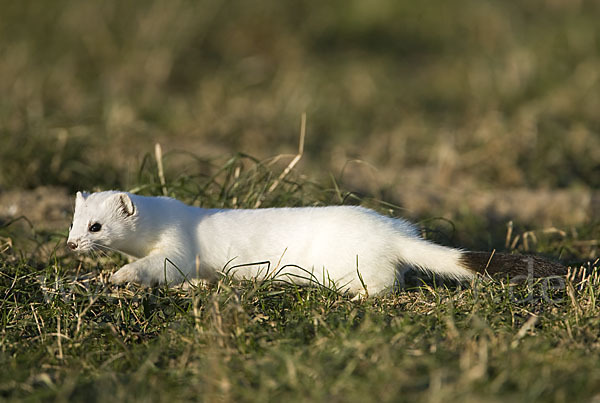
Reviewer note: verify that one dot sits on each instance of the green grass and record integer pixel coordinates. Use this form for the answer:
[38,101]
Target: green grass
[78,338]
[67,334]
[69,337]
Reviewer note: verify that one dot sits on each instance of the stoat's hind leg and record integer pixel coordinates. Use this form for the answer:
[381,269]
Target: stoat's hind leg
[360,296]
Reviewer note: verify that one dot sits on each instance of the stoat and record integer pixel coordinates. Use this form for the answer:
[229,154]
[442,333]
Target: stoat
[352,248]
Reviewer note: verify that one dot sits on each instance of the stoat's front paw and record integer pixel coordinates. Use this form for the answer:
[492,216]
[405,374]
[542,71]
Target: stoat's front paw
[126,274]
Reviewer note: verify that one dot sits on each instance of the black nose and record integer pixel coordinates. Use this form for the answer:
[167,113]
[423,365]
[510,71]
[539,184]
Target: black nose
[72,245]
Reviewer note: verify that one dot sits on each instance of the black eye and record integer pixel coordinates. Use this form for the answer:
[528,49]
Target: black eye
[71,227]
[95,227]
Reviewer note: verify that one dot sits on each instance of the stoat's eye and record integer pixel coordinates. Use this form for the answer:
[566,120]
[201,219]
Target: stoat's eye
[95,227]
[71,227]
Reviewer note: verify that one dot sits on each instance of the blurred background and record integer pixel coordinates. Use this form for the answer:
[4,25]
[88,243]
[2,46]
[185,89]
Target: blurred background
[477,107]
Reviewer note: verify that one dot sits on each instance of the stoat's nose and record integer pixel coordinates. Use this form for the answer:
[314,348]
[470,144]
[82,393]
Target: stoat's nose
[72,245]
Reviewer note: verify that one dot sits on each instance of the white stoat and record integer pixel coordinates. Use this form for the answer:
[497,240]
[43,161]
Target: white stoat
[353,248]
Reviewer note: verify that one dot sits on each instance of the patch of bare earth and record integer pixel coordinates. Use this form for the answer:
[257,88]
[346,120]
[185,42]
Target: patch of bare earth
[46,207]
[426,191]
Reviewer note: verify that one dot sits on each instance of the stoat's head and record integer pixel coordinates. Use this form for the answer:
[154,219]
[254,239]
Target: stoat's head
[103,220]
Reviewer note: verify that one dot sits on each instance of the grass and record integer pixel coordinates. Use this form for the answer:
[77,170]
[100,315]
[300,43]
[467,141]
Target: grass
[66,337]
[67,334]
[445,100]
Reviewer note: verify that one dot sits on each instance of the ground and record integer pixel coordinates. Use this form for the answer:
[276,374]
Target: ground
[478,120]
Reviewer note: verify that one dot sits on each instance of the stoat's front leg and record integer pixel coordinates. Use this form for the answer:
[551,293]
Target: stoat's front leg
[150,270]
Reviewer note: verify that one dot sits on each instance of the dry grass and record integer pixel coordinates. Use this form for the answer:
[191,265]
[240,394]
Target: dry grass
[478,93]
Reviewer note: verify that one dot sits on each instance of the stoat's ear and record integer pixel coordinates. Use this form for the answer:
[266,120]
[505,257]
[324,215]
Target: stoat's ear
[80,197]
[126,204]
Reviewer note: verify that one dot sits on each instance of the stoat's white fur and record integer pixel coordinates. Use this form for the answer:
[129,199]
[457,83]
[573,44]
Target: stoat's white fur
[173,241]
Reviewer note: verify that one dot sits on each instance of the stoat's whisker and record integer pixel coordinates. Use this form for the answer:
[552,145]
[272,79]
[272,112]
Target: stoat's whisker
[99,251]
[106,247]
[93,253]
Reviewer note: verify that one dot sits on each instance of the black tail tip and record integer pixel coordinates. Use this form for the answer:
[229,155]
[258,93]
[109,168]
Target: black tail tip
[504,264]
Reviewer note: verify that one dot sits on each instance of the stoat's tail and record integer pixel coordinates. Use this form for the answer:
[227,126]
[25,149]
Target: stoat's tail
[458,264]
[513,266]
